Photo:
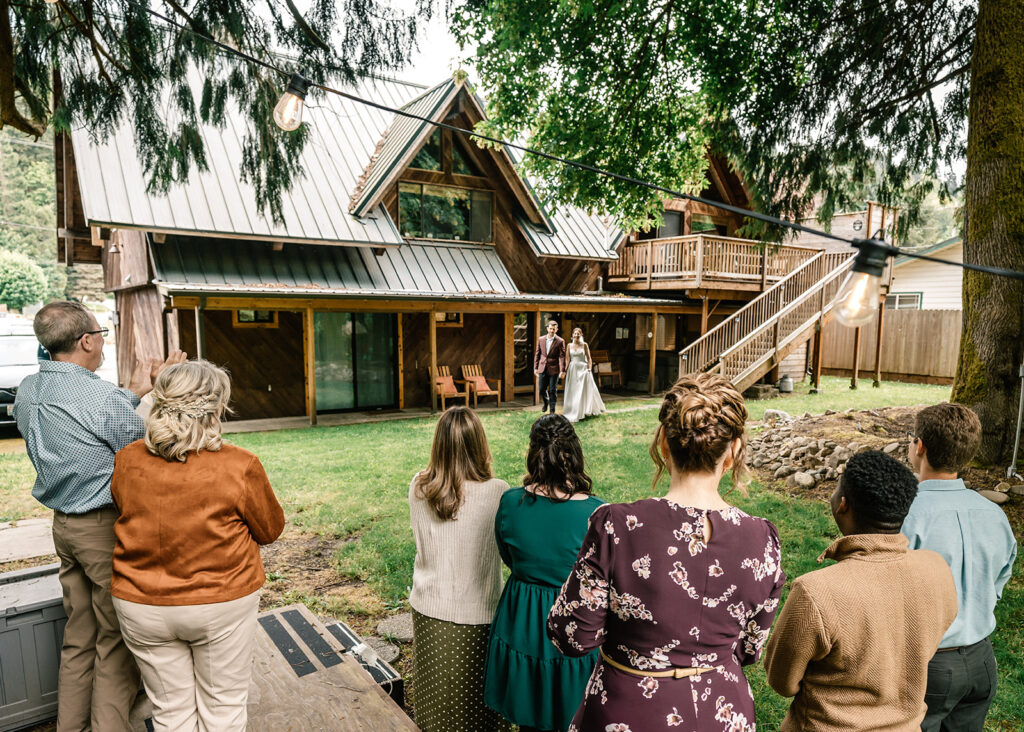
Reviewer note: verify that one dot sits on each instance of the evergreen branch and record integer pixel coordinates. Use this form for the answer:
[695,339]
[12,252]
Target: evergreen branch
[9,112]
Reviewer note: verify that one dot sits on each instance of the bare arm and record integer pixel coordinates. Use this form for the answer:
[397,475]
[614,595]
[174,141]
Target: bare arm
[590,361]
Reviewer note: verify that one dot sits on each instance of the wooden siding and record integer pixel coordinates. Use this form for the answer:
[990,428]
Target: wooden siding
[139,331]
[795,364]
[940,285]
[129,268]
[70,214]
[266,364]
[915,343]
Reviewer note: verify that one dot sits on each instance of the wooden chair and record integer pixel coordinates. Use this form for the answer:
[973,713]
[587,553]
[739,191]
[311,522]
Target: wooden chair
[606,370]
[477,384]
[444,386]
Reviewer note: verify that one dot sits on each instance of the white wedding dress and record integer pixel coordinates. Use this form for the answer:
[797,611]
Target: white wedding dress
[581,397]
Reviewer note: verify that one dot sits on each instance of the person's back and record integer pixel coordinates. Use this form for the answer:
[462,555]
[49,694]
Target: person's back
[974,537]
[853,640]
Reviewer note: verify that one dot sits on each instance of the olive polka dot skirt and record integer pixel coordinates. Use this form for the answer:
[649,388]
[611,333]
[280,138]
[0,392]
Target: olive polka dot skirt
[448,677]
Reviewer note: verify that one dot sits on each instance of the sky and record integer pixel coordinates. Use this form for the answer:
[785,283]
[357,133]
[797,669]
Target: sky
[436,59]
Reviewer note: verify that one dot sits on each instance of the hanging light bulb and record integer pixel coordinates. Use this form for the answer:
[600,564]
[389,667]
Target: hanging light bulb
[288,111]
[859,295]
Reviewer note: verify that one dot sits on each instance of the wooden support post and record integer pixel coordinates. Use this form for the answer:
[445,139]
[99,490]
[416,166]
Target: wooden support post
[433,361]
[878,345]
[200,330]
[868,233]
[700,261]
[536,379]
[650,261]
[510,358]
[816,369]
[703,315]
[654,351]
[856,358]
[764,267]
[401,362]
[309,341]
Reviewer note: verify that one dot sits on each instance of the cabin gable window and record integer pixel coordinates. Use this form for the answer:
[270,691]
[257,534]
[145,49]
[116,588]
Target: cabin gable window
[447,213]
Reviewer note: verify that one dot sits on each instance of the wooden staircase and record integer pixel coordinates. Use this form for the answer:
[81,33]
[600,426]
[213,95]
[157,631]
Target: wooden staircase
[750,342]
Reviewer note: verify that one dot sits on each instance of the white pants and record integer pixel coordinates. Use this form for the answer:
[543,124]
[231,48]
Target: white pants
[195,660]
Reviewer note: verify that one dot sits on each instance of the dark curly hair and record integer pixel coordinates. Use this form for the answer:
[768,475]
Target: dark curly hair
[555,458]
[700,418]
[879,489]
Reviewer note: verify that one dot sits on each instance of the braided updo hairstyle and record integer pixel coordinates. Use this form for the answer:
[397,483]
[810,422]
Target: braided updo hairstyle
[555,458]
[700,418]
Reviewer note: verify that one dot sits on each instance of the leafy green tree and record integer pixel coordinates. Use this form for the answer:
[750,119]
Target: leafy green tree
[22,281]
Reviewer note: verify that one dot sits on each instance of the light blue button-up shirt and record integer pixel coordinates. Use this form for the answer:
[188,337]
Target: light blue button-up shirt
[974,537]
[73,422]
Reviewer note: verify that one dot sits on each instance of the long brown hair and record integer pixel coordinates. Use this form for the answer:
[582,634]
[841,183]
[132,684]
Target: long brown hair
[700,418]
[459,453]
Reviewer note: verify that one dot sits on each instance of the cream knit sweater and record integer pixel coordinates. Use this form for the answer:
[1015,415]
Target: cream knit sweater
[457,575]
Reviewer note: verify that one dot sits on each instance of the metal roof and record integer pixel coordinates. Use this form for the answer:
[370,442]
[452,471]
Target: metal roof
[929,250]
[575,235]
[190,264]
[401,141]
[343,136]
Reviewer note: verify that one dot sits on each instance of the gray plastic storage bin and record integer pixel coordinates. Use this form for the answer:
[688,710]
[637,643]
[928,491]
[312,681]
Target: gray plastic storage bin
[31,632]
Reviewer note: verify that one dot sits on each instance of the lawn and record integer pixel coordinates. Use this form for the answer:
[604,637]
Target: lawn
[352,482]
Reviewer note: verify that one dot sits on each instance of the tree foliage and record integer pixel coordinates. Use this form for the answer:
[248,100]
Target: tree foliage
[806,97]
[22,281]
[97,63]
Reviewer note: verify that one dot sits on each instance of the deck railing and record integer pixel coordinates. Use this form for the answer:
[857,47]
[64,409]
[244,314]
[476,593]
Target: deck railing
[756,329]
[700,258]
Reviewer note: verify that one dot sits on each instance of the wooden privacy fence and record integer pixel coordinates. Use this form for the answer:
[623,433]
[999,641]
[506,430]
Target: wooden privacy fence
[916,345]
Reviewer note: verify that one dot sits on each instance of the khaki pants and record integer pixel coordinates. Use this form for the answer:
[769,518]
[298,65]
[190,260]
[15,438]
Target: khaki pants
[98,677]
[196,661]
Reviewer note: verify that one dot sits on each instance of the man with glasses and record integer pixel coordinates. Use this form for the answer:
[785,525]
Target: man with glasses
[974,537]
[73,422]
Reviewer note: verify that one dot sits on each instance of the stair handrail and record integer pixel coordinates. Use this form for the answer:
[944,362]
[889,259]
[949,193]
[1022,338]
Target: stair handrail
[799,300]
[686,353]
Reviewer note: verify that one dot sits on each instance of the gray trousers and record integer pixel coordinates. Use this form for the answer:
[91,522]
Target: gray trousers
[961,686]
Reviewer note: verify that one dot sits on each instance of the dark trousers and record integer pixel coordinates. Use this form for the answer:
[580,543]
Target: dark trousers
[961,686]
[549,391]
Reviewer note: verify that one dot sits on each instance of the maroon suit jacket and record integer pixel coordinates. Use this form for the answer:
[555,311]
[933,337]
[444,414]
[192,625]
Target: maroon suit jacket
[553,362]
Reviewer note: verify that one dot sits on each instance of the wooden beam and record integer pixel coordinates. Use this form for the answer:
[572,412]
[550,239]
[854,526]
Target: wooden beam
[159,238]
[856,358]
[98,235]
[200,331]
[816,369]
[401,363]
[703,315]
[536,379]
[878,344]
[309,343]
[510,357]
[654,351]
[433,362]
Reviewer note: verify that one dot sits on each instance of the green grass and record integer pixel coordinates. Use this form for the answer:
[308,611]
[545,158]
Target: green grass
[353,482]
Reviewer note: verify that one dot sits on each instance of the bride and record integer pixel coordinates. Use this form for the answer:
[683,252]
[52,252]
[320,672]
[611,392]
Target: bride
[581,398]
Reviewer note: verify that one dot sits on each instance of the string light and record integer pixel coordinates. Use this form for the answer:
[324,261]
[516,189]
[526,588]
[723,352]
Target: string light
[859,296]
[288,110]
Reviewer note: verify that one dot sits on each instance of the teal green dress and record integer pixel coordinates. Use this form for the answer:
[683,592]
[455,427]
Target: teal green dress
[527,680]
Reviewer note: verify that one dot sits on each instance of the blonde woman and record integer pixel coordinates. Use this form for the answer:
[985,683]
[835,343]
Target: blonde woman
[677,592]
[187,569]
[456,578]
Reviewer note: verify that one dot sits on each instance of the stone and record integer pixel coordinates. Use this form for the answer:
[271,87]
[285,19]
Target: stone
[1017,489]
[784,452]
[776,415]
[757,461]
[807,415]
[386,652]
[783,471]
[995,496]
[833,461]
[801,479]
[891,448]
[831,474]
[853,447]
[772,467]
[397,627]
[1003,487]
[761,391]
[841,468]
[831,411]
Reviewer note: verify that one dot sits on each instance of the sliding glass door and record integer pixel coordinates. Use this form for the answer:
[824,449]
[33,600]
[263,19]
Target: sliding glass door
[355,360]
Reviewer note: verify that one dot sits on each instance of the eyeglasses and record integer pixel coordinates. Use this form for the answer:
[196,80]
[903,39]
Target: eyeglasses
[101,331]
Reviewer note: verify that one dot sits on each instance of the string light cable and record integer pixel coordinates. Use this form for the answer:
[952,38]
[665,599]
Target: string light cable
[858,295]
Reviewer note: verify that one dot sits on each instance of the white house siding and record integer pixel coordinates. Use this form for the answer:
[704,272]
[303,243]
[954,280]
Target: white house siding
[795,364]
[940,285]
[848,225]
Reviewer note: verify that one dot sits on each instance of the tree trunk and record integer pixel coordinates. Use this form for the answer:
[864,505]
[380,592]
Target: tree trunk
[992,346]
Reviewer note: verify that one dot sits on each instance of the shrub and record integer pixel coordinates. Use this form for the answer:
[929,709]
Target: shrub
[22,281]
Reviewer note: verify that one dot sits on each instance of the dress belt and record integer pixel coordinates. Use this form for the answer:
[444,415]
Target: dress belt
[679,672]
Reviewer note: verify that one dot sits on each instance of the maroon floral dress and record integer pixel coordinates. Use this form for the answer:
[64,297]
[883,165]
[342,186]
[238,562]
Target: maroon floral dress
[655,595]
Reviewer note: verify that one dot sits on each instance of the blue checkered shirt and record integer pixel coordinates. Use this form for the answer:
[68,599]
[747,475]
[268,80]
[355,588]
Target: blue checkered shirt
[73,422]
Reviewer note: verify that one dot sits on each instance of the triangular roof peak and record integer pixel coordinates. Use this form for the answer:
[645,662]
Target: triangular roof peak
[399,144]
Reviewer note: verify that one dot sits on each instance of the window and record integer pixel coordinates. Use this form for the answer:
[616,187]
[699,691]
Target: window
[701,224]
[666,333]
[443,212]
[461,164]
[671,225]
[254,318]
[429,156]
[903,301]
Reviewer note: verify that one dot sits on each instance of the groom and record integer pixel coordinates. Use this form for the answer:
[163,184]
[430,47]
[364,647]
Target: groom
[549,365]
